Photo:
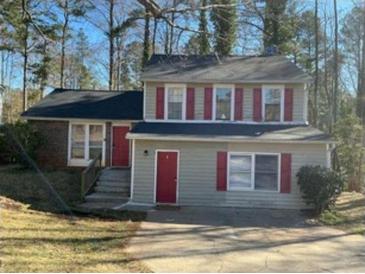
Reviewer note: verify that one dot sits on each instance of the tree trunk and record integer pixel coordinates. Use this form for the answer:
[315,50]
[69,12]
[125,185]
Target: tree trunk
[111,43]
[315,101]
[25,53]
[155,23]
[146,40]
[362,73]
[63,42]
[335,65]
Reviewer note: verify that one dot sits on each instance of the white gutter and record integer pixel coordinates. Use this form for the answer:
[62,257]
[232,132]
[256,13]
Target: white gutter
[238,139]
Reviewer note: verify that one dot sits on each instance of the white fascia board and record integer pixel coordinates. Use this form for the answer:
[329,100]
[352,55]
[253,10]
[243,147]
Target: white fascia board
[78,119]
[236,139]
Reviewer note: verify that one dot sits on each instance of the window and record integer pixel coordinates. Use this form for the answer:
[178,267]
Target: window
[175,102]
[266,172]
[240,175]
[273,103]
[78,142]
[86,143]
[223,103]
[253,172]
[95,141]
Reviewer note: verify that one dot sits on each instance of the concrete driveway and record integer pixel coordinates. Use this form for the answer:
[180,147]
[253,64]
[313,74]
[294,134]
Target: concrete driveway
[243,240]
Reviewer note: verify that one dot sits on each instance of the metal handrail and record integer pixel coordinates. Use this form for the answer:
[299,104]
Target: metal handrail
[90,175]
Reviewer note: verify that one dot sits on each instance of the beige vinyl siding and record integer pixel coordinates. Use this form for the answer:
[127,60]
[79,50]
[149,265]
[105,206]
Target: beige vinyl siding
[197,175]
[298,100]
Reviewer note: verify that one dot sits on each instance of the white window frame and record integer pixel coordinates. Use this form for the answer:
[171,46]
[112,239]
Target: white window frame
[253,171]
[252,155]
[215,87]
[264,89]
[86,160]
[166,103]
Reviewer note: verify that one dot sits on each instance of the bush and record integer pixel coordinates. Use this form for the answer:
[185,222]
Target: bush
[19,133]
[320,186]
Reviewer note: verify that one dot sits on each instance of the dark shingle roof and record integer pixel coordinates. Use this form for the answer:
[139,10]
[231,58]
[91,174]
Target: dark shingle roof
[89,104]
[232,69]
[241,131]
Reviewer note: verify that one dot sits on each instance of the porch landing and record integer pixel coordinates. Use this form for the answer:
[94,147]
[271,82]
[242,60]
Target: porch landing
[111,191]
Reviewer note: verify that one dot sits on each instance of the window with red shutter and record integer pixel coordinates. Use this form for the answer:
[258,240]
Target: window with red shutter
[288,104]
[221,170]
[160,102]
[257,104]
[238,104]
[190,103]
[208,103]
[285,174]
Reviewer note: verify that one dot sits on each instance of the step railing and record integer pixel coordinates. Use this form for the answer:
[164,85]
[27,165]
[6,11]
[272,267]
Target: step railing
[90,175]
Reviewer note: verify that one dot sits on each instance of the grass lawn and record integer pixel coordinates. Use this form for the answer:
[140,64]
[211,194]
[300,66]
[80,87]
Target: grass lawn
[348,214]
[24,185]
[35,238]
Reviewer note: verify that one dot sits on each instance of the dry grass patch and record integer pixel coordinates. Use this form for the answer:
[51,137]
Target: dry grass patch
[34,241]
[348,213]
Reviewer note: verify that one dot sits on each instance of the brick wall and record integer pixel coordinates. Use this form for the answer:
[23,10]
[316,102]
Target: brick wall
[53,154]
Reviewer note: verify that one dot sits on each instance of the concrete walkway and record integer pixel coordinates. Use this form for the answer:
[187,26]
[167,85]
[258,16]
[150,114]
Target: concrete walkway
[241,240]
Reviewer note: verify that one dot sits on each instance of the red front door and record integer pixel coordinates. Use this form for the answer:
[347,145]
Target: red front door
[120,151]
[166,177]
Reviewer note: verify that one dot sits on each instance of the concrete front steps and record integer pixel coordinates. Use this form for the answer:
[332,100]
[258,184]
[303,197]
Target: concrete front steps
[112,189]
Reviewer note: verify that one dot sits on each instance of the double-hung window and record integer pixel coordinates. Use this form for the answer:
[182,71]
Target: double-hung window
[240,171]
[253,171]
[86,143]
[273,103]
[175,102]
[223,103]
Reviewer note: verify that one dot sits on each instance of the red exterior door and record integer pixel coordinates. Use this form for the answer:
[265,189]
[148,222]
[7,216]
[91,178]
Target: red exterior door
[120,151]
[166,177]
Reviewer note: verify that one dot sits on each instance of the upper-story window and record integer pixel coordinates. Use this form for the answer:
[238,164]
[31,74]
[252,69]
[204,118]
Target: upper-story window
[273,103]
[175,102]
[223,103]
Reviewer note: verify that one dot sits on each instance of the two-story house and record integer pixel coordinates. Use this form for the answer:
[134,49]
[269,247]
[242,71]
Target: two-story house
[205,131]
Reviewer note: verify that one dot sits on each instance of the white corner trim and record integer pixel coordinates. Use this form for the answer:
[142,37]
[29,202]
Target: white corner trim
[144,99]
[132,169]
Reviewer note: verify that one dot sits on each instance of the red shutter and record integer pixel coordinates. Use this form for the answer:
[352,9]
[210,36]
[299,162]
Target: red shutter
[160,102]
[238,104]
[288,104]
[208,103]
[285,173]
[221,170]
[257,105]
[190,103]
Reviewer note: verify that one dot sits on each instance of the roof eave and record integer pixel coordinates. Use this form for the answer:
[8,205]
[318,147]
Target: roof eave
[215,138]
[275,81]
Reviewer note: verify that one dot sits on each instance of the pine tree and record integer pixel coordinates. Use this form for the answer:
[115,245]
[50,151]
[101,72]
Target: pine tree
[224,21]
[203,35]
